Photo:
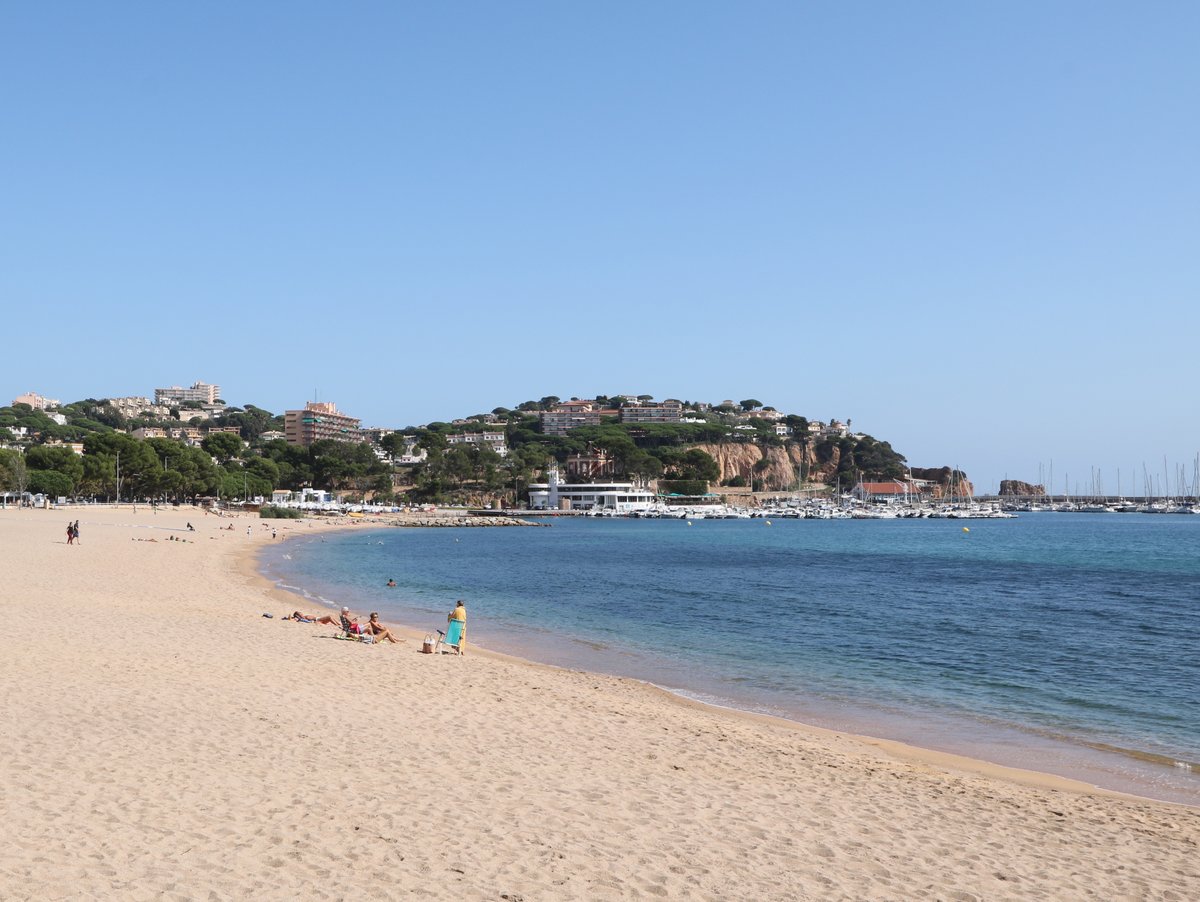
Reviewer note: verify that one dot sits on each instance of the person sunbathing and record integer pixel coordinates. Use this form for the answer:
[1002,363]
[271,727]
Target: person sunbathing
[378,630]
[351,624]
[304,618]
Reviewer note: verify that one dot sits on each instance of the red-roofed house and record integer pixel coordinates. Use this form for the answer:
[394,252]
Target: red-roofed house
[887,492]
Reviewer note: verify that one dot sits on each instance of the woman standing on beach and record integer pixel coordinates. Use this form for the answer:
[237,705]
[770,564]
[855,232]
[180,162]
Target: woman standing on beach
[456,632]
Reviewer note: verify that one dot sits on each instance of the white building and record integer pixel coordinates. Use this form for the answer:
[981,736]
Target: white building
[618,496]
[200,391]
[135,406]
[494,440]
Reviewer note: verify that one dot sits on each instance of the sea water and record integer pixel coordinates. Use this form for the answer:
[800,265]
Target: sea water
[1064,643]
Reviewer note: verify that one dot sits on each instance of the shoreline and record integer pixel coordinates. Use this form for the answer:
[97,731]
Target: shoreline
[173,742]
[1077,768]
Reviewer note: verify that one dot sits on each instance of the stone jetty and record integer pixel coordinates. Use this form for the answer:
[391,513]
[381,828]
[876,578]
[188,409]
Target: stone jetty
[462,521]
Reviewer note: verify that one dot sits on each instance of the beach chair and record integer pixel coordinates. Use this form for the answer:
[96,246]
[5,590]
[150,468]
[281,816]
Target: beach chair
[451,636]
[350,631]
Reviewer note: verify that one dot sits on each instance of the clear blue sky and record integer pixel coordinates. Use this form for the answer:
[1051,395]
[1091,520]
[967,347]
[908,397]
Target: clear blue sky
[972,228]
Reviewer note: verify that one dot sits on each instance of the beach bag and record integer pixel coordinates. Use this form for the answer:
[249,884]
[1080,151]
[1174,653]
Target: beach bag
[427,645]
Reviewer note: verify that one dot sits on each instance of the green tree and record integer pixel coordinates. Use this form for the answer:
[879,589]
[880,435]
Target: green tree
[751,404]
[224,446]
[14,475]
[59,460]
[51,483]
[109,454]
[395,444]
[266,470]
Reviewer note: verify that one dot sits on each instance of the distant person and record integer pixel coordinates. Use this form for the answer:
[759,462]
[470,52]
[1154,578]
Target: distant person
[191,528]
[272,532]
[75,529]
[378,630]
[70,533]
[391,584]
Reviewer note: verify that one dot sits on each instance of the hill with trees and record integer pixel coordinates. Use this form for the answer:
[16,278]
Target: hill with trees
[735,446]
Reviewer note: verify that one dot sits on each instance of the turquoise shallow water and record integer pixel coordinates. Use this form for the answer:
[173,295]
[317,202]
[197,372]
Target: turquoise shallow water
[1059,642]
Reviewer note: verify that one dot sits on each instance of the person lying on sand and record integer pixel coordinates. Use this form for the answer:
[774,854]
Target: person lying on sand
[305,618]
[378,630]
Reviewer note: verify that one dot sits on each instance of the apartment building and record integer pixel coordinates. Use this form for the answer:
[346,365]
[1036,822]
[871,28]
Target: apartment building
[495,440]
[200,391]
[320,420]
[36,401]
[572,414]
[669,411]
[137,406]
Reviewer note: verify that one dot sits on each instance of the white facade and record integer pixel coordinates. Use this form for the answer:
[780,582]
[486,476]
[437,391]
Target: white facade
[617,496]
[494,440]
[200,391]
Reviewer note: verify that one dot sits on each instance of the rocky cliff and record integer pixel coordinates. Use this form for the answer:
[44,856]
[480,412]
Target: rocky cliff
[946,482]
[1016,487]
[776,469]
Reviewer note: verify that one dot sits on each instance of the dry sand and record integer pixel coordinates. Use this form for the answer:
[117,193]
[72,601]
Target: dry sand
[160,739]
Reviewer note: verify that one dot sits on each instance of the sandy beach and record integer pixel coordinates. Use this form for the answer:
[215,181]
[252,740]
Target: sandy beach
[161,739]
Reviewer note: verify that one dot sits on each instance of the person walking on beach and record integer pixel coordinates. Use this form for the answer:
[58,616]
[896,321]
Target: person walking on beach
[75,530]
[70,533]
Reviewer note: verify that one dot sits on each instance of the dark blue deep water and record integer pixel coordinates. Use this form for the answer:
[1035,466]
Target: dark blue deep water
[1059,642]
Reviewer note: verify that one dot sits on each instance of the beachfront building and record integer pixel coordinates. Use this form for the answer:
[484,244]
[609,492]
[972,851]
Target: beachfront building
[668,411]
[320,420]
[36,401]
[494,440]
[582,496]
[200,392]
